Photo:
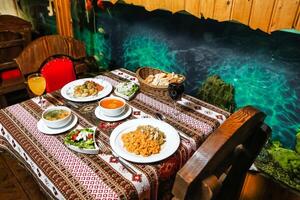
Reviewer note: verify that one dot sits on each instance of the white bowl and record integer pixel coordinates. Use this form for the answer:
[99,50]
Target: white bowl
[112,112]
[60,122]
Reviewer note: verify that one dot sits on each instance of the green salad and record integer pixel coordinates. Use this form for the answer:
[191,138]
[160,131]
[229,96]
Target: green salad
[81,138]
[127,88]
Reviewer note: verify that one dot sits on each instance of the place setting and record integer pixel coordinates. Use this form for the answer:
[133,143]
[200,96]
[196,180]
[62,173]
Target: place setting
[86,90]
[56,120]
[144,140]
[112,109]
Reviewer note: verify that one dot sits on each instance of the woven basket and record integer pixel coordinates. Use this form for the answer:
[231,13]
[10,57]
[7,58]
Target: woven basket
[159,91]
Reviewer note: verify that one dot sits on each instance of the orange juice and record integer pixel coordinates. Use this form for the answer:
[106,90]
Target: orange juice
[37,84]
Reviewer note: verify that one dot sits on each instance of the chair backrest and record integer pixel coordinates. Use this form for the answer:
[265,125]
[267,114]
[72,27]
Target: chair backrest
[33,56]
[218,168]
[58,71]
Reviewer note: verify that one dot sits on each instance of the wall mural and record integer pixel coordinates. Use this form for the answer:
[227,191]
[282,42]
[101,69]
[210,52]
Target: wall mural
[39,14]
[264,69]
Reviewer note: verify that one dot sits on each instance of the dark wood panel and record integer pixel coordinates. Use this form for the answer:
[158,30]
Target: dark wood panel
[259,187]
[16,182]
[10,188]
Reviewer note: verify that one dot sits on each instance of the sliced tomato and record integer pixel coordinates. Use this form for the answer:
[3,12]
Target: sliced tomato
[74,136]
[90,136]
[99,87]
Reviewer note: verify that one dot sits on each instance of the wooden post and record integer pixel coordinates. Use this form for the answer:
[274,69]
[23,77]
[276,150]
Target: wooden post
[63,17]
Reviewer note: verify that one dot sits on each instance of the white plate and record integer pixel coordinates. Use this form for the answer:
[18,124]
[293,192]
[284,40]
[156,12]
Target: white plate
[126,113]
[51,131]
[167,149]
[68,90]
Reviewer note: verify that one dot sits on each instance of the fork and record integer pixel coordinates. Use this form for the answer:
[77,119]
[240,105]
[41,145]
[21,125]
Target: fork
[162,118]
[105,149]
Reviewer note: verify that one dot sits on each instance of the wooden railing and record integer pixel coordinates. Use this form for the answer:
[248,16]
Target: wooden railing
[266,15]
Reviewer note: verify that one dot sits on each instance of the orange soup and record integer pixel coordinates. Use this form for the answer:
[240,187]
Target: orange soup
[111,103]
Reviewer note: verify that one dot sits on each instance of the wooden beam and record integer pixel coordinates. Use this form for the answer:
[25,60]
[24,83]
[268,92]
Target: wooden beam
[261,14]
[222,10]
[284,14]
[152,5]
[192,7]
[178,5]
[241,11]
[266,15]
[207,8]
[63,17]
[297,20]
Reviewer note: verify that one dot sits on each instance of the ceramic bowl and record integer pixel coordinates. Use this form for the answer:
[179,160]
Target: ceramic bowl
[112,106]
[57,123]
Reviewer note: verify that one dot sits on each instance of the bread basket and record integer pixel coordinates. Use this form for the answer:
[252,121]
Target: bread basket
[159,91]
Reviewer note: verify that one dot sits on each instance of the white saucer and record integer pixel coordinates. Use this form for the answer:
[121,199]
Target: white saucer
[103,117]
[51,131]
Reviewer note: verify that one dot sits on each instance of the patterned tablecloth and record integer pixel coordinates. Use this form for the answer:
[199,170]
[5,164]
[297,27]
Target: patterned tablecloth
[71,175]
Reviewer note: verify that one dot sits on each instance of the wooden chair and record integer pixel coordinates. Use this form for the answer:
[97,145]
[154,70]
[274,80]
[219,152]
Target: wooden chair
[46,48]
[218,168]
[38,51]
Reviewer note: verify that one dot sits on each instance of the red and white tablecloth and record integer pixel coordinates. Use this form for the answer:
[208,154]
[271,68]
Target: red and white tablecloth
[69,175]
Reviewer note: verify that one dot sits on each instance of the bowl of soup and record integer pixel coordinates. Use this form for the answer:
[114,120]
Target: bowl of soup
[112,106]
[57,116]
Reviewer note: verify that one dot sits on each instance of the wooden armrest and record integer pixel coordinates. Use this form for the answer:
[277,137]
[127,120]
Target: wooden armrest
[215,149]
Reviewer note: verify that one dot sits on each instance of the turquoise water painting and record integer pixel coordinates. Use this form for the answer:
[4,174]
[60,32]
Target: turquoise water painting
[263,68]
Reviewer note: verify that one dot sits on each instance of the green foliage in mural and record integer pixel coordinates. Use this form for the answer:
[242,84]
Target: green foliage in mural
[281,163]
[297,147]
[96,46]
[146,51]
[36,12]
[215,91]
[91,33]
[287,159]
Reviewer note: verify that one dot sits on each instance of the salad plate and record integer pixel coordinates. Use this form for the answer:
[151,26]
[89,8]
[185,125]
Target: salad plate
[126,90]
[126,113]
[171,144]
[82,141]
[69,90]
[41,126]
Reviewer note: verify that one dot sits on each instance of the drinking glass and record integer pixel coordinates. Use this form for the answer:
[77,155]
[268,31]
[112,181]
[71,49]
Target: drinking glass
[175,92]
[37,85]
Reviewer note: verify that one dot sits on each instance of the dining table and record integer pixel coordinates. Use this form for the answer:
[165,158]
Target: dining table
[65,174]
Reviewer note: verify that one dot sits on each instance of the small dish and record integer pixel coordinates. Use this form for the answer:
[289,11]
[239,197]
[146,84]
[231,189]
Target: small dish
[82,141]
[41,126]
[112,106]
[126,90]
[57,116]
[126,113]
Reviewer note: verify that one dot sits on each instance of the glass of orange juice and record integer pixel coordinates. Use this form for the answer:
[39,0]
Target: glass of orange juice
[37,85]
